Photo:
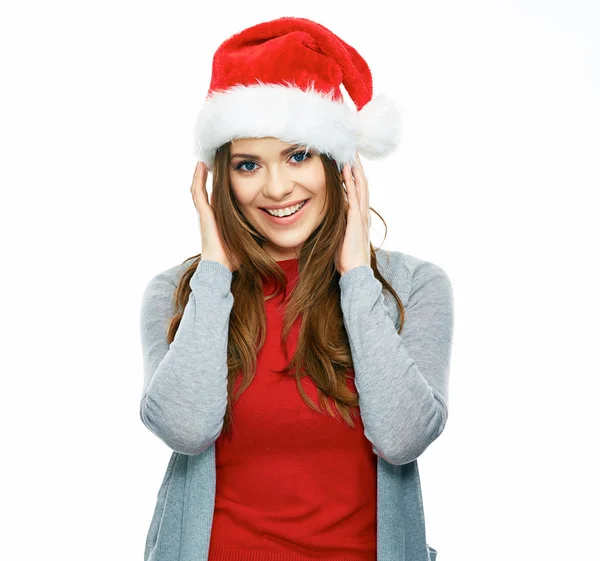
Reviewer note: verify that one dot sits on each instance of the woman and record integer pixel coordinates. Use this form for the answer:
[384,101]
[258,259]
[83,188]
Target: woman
[295,393]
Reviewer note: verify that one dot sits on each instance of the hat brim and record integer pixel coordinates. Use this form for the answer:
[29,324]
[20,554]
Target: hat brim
[306,117]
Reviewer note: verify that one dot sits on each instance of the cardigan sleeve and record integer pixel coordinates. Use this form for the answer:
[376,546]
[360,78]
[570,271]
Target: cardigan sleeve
[184,393]
[401,379]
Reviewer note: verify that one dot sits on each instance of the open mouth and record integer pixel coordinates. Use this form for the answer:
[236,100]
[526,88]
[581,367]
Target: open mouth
[290,217]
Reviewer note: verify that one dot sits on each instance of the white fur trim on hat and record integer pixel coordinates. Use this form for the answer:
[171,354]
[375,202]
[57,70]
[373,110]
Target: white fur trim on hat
[296,116]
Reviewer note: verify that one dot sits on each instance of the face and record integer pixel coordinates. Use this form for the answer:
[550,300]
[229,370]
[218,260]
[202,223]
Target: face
[266,172]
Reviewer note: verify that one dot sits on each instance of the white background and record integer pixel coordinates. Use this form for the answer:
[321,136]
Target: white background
[496,180]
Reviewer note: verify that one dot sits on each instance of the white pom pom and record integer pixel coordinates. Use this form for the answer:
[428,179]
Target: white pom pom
[379,127]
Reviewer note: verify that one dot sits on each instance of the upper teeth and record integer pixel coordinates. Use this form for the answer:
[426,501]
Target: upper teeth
[286,211]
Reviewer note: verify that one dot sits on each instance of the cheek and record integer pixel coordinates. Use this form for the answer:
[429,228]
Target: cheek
[314,181]
[242,193]
[318,187]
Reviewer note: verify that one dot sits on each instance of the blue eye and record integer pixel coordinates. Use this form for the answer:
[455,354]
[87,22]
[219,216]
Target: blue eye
[301,154]
[245,164]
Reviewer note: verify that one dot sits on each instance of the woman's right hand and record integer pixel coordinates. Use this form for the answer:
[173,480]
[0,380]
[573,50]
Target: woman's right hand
[212,244]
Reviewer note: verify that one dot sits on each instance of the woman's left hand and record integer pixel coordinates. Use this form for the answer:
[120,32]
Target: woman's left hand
[356,247]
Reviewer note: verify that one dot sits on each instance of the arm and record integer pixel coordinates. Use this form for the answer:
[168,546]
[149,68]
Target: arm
[184,395]
[402,380]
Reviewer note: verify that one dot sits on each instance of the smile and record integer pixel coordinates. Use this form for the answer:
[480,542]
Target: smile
[284,220]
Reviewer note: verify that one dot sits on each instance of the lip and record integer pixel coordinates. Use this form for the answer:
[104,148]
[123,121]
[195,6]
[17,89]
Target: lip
[278,207]
[287,219]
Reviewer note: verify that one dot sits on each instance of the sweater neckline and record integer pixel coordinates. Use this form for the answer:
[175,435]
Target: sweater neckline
[289,265]
[289,268]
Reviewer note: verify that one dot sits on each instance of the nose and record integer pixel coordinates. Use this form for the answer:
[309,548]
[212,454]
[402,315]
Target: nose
[277,186]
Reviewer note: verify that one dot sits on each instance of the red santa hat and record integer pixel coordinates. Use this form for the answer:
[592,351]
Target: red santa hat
[281,78]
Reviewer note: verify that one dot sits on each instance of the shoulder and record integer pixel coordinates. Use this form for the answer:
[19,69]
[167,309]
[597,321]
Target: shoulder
[166,281]
[412,276]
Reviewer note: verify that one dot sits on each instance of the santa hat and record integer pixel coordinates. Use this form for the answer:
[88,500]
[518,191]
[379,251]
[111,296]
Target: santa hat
[281,78]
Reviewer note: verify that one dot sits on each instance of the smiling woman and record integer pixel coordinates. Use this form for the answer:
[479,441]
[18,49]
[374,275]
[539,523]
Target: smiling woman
[287,315]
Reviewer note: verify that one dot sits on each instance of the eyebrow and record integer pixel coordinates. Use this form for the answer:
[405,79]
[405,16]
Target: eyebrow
[255,157]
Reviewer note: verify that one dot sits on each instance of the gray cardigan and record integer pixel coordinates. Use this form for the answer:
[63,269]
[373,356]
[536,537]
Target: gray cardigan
[402,382]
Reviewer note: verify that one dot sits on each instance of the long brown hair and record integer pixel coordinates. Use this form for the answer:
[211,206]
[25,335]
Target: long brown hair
[323,350]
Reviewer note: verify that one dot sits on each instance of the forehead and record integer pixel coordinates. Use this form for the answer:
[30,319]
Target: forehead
[264,144]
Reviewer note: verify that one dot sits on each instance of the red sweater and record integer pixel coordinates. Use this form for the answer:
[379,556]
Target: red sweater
[292,484]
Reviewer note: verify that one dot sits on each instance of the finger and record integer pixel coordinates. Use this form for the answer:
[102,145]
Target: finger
[199,184]
[362,185]
[197,172]
[356,188]
[351,187]
[363,190]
